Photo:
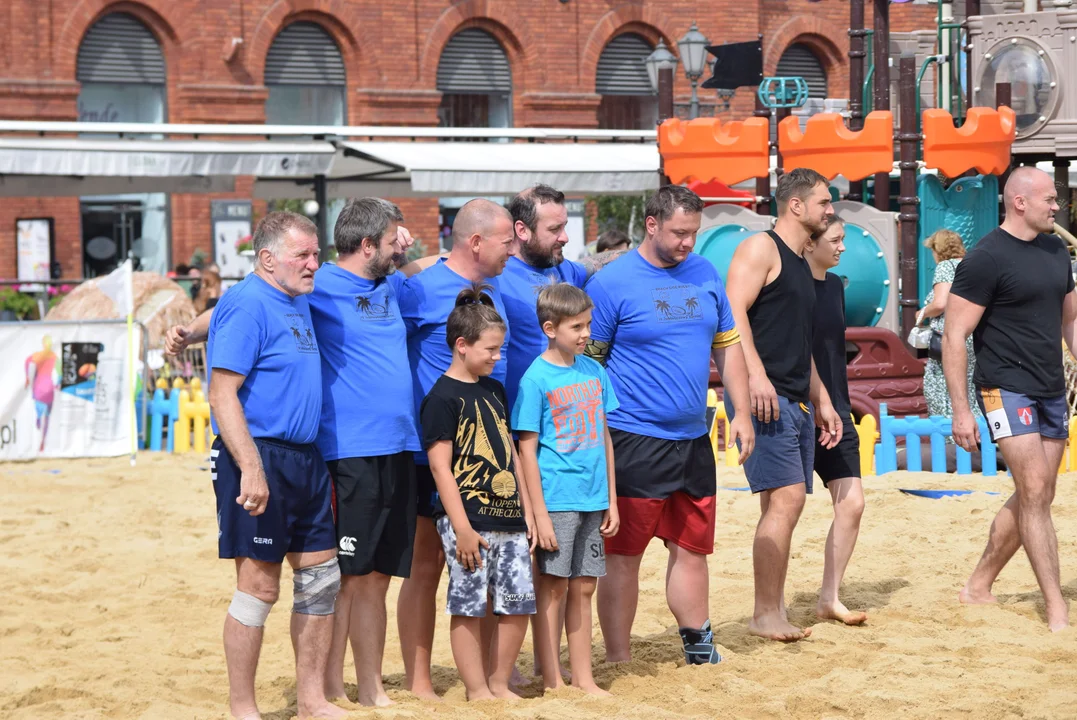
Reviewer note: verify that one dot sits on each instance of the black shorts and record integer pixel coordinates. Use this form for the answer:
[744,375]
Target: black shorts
[655,468]
[375,510]
[842,460]
[426,491]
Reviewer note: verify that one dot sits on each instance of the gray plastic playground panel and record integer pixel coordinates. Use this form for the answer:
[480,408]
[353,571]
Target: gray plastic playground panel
[883,227]
[722,214]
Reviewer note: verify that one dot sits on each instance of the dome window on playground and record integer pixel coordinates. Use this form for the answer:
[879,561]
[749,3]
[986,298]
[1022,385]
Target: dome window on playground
[1030,75]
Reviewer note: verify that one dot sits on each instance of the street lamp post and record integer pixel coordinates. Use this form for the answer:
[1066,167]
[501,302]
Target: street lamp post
[659,59]
[693,48]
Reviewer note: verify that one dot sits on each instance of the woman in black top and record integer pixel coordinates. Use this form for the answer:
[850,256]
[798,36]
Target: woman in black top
[839,466]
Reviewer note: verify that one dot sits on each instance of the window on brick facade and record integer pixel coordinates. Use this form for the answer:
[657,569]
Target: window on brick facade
[305,77]
[122,78]
[628,102]
[475,81]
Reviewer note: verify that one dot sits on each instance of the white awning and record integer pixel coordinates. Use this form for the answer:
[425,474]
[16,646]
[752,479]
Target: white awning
[76,164]
[484,168]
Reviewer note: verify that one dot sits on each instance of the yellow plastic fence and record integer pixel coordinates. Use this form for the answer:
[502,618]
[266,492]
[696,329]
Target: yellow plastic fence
[866,429]
[193,420]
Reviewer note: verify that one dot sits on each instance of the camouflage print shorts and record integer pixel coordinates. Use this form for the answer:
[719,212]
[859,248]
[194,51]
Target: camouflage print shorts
[505,574]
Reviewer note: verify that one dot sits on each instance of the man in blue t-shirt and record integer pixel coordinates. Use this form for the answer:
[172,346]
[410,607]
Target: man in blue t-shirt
[367,434]
[272,486]
[539,220]
[660,314]
[482,243]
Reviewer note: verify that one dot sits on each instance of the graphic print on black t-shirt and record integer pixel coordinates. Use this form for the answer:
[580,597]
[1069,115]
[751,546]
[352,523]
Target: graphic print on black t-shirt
[473,417]
[374,305]
[300,329]
[676,303]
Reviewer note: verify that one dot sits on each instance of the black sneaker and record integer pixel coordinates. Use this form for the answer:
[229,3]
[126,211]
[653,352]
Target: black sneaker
[699,646]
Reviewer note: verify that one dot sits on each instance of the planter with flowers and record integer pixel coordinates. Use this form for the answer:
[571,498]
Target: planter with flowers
[15,305]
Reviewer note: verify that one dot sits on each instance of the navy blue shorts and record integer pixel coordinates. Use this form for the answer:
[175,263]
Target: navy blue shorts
[1009,414]
[784,448]
[299,516]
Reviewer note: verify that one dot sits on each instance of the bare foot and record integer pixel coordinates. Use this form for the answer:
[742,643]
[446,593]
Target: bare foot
[560,683]
[837,611]
[773,627]
[592,689]
[1059,626]
[610,658]
[251,715]
[969,596]
[324,711]
[426,693]
[378,699]
[504,693]
[480,695]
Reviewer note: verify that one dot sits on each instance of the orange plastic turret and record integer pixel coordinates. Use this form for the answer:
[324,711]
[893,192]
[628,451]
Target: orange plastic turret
[705,149]
[983,142]
[829,148]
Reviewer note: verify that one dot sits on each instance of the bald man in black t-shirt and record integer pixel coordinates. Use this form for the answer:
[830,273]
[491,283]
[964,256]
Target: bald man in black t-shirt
[1014,293]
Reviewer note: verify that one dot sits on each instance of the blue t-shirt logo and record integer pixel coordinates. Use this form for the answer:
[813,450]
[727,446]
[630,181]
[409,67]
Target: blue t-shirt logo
[304,336]
[375,305]
[676,303]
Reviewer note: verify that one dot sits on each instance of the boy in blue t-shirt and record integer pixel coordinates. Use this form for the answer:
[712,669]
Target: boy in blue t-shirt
[566,457]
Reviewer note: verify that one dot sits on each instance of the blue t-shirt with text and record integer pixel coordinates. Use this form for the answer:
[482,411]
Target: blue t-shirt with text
[367,404]
[567,407]
[660,323]
[267,336]
[426,300]
[520,285]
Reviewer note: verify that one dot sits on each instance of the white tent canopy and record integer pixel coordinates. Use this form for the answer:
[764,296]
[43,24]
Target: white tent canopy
[73,166]
[491,168]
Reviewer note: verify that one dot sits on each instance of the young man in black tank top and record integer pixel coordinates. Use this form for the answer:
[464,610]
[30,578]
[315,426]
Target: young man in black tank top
[772,295]
[1014,293]
[838,467]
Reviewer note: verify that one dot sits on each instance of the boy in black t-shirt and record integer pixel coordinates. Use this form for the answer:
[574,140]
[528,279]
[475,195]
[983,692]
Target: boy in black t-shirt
[482,510]
[1014,294]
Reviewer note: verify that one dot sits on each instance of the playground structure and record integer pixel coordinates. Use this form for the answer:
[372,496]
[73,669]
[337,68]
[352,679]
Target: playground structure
[184,411]
[948,162]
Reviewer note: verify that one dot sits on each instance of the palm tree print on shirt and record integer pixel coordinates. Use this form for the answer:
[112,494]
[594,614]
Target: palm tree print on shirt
[676,303]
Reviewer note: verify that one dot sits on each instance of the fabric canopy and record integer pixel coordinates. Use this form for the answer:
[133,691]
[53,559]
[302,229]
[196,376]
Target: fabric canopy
[486,168]
[81,166]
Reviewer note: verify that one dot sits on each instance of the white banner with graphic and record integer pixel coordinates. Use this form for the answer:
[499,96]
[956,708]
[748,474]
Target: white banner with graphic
[65,390]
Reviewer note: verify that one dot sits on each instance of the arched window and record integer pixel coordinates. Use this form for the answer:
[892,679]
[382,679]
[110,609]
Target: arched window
[799,59]
[305,76]
[121,71]
[628,101]
[475,80]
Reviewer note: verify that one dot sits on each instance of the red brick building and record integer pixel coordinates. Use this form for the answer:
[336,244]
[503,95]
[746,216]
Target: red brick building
[373,63]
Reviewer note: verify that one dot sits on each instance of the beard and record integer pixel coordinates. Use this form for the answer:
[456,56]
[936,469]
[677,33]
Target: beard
[537,258]
[381,265]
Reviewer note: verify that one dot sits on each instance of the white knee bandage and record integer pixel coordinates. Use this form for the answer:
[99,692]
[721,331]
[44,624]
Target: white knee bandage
[315,588]
[249,610]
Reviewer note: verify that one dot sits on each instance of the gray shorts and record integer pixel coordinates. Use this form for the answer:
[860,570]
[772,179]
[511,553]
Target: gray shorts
[505,575]
[581,548]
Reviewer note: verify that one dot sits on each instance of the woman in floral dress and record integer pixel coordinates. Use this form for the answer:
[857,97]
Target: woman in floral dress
[947,248]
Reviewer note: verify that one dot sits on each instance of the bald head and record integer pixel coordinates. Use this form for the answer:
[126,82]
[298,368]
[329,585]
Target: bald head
[477,217]
[482,236]
[1031,203]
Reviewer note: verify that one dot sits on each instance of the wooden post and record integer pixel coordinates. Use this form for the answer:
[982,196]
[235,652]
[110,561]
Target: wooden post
[909,216]
[881,95]
[762,184]
[1003,98]
[665,111]
[856,81]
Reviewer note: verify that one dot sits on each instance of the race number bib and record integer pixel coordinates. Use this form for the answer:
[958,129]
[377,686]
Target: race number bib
[995,413]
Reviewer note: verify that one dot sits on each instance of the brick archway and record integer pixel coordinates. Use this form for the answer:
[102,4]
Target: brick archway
[516,41]
[333,16]
[154,14]
[639,19]
[811,31]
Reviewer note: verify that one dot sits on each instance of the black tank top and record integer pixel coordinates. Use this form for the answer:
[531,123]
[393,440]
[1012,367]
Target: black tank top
[828,341]
[781,323]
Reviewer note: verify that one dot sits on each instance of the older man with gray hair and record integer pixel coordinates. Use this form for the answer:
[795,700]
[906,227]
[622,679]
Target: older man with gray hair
[272,486]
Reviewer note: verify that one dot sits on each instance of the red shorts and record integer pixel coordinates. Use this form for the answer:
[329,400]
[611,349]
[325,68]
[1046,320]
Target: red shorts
[680,519]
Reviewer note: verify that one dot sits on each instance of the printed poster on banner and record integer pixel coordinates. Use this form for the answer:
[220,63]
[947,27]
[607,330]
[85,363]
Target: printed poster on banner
[66,391]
